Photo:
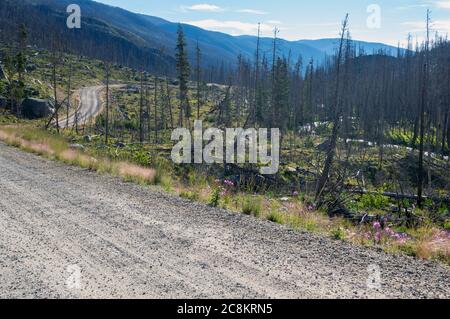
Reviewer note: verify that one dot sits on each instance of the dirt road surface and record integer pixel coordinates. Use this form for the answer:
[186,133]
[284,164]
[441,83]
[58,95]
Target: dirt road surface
[70,233]
[88,108]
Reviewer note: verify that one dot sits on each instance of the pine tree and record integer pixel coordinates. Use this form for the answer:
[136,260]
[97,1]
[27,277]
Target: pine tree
[183,76]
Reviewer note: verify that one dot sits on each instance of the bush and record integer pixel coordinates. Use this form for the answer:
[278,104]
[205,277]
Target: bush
[252,206]
[338,233]
[373,201]
[275,217]
[215,198]
[189,195]
[447,224]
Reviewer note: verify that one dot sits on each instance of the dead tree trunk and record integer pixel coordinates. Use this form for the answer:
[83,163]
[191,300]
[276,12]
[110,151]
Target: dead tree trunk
[336,122]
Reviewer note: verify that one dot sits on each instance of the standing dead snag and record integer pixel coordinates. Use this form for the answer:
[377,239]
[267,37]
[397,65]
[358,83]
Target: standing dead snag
[141,109]
[155,105]
[198,56]
[107,71]
[336,111]
[423,107]
[55,58]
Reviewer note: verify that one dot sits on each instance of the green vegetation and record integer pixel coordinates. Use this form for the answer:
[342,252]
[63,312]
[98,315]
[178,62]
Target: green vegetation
[252,206]
[145,110]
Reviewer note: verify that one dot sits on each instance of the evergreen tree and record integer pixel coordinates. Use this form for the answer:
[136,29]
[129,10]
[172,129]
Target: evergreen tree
[183,77]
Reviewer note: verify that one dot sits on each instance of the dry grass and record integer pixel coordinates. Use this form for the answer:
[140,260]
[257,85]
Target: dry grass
[133,172]
[435,244]
[54,147]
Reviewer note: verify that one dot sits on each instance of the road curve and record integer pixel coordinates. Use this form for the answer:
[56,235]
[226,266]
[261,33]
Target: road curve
[88,108]
[66,232]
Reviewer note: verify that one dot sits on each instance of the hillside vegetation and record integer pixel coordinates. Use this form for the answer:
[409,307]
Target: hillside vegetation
[364,138]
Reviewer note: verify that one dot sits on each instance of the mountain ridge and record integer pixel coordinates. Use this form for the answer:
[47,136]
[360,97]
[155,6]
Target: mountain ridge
[153,39]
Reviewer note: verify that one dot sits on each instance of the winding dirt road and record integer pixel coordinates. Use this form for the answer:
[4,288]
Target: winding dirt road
[70,233]
[88,108]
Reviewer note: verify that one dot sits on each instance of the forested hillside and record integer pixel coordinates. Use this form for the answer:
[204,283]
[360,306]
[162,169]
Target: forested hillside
[46,24]
[147,42]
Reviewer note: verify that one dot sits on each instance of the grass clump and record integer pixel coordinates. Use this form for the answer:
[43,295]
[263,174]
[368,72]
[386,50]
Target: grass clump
[338,233]
[275,217]
[193,196]
[252,206]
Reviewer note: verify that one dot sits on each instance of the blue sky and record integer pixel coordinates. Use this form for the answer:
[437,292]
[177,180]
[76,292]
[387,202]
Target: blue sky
[301,19]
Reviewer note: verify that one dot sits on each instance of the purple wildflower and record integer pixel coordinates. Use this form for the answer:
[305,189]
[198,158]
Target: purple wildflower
[378,236]
[228,183]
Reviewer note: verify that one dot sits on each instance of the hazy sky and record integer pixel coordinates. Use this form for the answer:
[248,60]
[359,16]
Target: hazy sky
[303,19]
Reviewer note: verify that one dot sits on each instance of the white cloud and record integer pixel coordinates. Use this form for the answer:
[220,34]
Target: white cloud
[252,11]
[441,26]
[442,4]
[204,7]
[232,27]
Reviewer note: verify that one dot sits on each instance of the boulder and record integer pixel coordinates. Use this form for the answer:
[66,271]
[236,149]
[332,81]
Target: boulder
[77,147]
[291,170]
[133,88]
[36,108]
[3,102]
[31,67]
[324,146]
[31,92]
[2,73]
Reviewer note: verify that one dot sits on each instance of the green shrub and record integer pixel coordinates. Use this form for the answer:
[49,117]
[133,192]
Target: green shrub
[309,142]
[215,198]
[189,195]
[275,217]
[373,201]
[338,233]
[447,224]
[252,206]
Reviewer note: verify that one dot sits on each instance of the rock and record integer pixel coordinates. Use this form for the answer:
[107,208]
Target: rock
[3,102]
[120,145]
[87,138]
[31,67]
[133,88]
[291,170]
[78,147]
[2,73]
[285,199]
[30,91]
[36,108]
[324,146]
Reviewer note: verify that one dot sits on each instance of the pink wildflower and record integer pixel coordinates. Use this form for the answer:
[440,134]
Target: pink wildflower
[378,236]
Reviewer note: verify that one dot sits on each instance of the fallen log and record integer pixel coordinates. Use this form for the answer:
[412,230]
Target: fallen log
[402,196]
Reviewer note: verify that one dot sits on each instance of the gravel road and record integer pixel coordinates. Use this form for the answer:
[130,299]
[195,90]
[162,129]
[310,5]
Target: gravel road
[89,107]
[70,233]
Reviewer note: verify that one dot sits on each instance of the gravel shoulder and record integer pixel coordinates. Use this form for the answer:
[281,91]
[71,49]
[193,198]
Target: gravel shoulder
[134,242]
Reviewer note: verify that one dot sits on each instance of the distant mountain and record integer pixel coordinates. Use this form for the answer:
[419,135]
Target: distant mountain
[146,41]
[329,46]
